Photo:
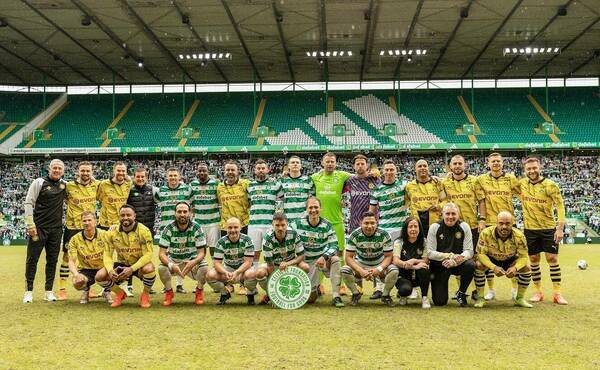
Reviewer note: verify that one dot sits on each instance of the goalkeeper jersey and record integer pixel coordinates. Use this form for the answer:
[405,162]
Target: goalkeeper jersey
[539,201]
[80,198]
[328,189]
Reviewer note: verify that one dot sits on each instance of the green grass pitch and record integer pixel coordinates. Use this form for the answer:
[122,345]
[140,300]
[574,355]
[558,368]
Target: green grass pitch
[185,336]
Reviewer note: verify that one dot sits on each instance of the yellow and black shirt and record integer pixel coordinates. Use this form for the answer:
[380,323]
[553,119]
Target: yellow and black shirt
[539,201]
[234,202]
[490,245]
[80,198]
[464,194]
[112,197]
[133,248]
[88,253]
[420,196]
[498,192]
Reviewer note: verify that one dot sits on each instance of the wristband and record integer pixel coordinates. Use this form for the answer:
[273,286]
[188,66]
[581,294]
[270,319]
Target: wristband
[379,268]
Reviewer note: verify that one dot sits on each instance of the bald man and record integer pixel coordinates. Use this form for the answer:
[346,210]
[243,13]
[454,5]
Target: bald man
[232,263]
[503,249]
[423,195]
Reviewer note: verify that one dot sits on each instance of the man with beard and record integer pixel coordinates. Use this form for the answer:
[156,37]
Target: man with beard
[387,199]
[43,220]
[498,189]
[462,190]
[540,198]
[182,250]
[233,198]
[206,205]
[81,197]
[424,195]
[132,243]
[369,256]
[167,197]
[503,249]
[263,193]
[112,194]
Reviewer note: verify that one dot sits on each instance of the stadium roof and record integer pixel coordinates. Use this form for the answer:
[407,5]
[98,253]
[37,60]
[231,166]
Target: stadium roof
[269,40]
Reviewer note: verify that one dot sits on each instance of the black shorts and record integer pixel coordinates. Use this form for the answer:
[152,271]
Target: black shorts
[137,273]
[67,235]
[90,274]
[475,234]
[243,230]
[541,241]
[506,264]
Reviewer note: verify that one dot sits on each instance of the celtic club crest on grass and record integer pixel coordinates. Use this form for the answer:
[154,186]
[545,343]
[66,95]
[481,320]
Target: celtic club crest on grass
[289,289]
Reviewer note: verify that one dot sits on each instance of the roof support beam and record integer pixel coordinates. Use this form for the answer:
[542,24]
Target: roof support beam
[12,73]
[51,53]
[448,42]
[489,42]
[120,43]
[595,55]
[202,43]
[32,66]
[368,44]
[541,31]
[239,35]
[411,29]
[278,20]
[43,16]
[567,46]
[148,32]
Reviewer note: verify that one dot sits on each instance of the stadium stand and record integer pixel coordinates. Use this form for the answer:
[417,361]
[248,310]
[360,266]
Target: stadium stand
[22,107]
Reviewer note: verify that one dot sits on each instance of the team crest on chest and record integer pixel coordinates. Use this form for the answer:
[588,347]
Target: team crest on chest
[61,186]
[458,235]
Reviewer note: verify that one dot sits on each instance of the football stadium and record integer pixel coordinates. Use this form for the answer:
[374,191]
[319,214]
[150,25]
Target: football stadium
[299,184]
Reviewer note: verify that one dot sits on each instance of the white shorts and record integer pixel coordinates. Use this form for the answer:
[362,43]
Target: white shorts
[394,233]
[313,274]
[212,233]
[256,233]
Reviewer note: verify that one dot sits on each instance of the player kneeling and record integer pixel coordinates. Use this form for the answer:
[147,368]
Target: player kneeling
[369,253]
[86,249]
[182,250]
[232,261]
[282,247]
[132,242]
[503,249]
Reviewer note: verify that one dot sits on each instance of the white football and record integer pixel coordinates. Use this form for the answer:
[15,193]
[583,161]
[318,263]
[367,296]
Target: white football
[582,264]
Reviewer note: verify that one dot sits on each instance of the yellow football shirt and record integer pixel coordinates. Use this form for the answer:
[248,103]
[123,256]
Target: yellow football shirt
[464,194]
[88,253]
[498,192]
[80,198]
[133,248]
[539,201]
[490,245]
[112,197]
[234,202]
[420,196]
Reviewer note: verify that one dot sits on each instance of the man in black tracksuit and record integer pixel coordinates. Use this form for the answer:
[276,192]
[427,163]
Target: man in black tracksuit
[141,197]
[450,250]
[43,219]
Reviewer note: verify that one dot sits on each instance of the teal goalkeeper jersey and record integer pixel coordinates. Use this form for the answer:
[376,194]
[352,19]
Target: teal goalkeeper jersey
[204,202]
[369,250]
[263,198]
[329,189]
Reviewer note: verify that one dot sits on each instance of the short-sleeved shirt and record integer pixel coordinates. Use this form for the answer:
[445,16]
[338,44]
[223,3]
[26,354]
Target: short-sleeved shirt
[422,196]
[296,192]
[317,240]
[133,248]
[389,198]
[182,245]
[233,253]
[360,189]
[369,250]
[88,252]
[276,251]
[263,198]
[234,202]
[80,198]
[167,199]
[539,201]
[498,192]
[329,189]
[204,202]
[112,197]
[490,245]
[464,194]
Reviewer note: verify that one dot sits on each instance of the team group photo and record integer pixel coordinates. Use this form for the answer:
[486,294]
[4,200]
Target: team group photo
[299,184]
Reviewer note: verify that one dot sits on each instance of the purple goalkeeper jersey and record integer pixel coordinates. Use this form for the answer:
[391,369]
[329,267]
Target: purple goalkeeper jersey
[360,189]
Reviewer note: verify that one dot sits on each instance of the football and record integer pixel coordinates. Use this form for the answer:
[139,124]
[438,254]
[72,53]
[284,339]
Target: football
[582,264]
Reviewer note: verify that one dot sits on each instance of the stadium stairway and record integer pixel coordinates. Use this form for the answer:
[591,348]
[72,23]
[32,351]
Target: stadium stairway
[115,122]
[324,124]
[470,118]
[545,117]
[186,121]
[340,105]
[44,122]
[258,119]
